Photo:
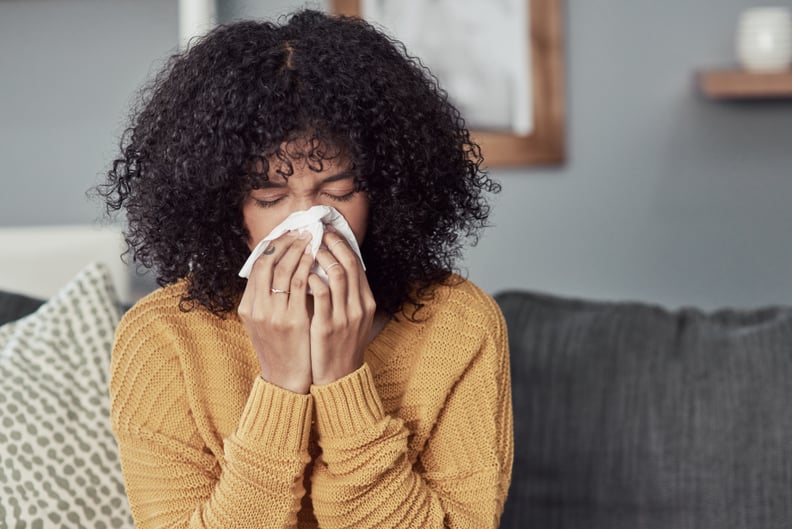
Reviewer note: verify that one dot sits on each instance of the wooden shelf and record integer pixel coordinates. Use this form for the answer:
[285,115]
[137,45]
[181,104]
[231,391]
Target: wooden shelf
[740,84]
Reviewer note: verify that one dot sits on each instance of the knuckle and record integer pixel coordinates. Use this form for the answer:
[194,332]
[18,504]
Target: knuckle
[321,330]
[320,291]
[258,317]
[261,262]
[349,259]
[279,323]
[336,272]
[356,315]
[369,304]
[280,275]
[285,321]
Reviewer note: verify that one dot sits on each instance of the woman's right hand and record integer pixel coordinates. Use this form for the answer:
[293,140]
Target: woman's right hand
[278,323]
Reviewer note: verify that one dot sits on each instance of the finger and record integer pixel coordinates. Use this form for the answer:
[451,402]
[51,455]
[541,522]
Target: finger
[339,246]
[343,253]
[322,303]
[260,280]
[336,276]
[287,265]
[299,281]
[246,302]
[263,265]
[333,240]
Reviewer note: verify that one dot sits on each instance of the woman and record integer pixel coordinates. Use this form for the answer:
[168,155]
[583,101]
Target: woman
[380,399]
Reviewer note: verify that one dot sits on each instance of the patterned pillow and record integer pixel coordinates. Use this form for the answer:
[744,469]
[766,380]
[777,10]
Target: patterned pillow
[58,458]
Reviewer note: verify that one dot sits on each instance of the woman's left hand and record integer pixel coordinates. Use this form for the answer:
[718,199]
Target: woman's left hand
[343,312]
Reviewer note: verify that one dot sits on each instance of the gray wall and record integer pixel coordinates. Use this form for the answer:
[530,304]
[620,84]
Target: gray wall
[665,197]
[67,71]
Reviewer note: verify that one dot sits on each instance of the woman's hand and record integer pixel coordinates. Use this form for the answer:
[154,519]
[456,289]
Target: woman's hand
[343,312]
[274,311]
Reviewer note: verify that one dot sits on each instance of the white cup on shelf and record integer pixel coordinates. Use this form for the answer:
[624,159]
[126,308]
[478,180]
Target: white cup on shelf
[764,39]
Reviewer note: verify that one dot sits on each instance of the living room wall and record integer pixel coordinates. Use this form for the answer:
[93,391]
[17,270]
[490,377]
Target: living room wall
[665,196]
[68,69]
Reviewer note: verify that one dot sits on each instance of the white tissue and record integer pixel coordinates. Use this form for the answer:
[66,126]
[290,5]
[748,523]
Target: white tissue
[314,221]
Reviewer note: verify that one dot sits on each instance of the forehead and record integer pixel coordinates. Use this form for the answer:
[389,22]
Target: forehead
[302,157]
[306,168]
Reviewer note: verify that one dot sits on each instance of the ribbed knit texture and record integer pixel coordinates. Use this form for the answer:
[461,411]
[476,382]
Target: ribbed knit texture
[419,437]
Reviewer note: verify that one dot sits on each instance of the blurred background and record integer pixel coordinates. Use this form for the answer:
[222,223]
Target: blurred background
[665,196]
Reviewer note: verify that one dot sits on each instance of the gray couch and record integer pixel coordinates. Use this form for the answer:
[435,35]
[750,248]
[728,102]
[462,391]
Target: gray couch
[629,416]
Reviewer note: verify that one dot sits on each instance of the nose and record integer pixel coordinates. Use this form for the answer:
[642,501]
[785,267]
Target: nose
[304,202]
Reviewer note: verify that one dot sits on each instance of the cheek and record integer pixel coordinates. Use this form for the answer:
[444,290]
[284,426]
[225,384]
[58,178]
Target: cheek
[258,223]
[357,217]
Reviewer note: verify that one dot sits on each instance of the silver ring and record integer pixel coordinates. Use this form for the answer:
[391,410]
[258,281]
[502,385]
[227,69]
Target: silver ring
[332,265]
[336,243]
[279,291]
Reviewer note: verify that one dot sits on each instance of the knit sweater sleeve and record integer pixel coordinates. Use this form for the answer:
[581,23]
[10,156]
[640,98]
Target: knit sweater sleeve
[364,478]
[171,479]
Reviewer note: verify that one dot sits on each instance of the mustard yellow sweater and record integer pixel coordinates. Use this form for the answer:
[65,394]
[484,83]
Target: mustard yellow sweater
[419,437]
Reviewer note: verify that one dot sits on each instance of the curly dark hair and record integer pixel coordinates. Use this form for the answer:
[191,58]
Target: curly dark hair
[236,95]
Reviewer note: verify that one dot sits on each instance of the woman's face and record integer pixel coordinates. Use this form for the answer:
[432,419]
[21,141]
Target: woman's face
[334,185]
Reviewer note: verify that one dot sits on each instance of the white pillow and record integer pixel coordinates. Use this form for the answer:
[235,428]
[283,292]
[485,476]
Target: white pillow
[59,463]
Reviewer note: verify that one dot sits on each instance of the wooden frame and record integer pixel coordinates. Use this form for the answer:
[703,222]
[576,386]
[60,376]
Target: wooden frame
[546,143]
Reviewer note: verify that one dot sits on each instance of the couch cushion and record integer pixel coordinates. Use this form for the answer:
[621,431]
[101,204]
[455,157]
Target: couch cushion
[631,416]
[58,458]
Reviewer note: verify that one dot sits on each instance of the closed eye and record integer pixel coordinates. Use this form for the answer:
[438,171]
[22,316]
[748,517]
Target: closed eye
[341,198]
[267,203]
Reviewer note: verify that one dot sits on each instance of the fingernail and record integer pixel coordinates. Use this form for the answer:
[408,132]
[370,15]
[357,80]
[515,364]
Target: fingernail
[307,248]
[305,235]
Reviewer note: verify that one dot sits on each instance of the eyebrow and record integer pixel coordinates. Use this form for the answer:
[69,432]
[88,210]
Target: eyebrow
[343,175]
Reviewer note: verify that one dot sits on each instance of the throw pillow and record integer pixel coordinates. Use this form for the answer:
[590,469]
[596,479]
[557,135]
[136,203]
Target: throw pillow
[58,458]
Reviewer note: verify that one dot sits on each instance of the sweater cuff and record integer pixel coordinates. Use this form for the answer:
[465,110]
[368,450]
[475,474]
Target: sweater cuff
[276,418]
[348,405]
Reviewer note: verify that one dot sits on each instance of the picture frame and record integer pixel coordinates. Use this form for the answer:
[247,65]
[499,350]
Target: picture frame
[545,143]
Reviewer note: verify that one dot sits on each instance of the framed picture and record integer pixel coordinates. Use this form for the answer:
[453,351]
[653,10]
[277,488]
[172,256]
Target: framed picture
[513,100]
